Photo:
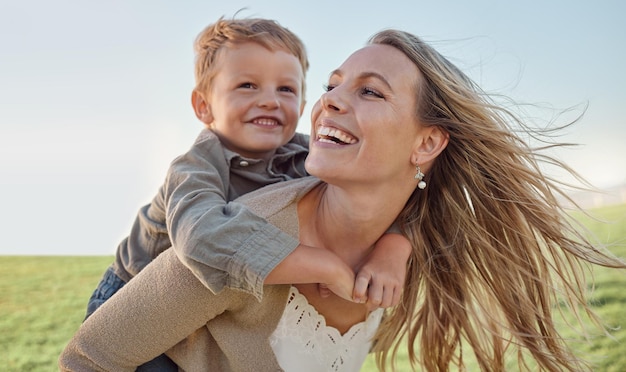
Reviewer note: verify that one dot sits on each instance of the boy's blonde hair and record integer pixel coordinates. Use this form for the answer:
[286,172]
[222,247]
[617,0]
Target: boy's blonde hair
[226,33]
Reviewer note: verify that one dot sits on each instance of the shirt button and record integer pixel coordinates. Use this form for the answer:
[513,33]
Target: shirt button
[244,163]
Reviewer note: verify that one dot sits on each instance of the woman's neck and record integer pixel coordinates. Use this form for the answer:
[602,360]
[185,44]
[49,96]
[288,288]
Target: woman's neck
[348,222]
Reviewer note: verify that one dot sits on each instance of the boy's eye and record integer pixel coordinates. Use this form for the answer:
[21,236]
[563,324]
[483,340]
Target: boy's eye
[287,89]
[246,85]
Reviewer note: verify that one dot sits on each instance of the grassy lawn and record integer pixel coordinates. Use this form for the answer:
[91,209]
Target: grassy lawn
[43,301]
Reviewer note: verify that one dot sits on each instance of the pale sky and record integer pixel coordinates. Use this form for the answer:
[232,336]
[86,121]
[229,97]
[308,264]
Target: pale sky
[94,95]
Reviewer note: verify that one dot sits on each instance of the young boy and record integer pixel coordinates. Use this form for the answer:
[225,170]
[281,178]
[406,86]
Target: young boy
[250,82]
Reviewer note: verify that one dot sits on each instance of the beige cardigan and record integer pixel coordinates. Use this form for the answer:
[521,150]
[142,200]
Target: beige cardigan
[166,308]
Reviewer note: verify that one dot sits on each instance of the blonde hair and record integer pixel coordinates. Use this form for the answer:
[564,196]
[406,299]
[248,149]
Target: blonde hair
[226,33]
[492,246]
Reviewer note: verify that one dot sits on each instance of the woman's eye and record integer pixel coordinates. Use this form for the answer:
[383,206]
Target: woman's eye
[328,87]
[371,92]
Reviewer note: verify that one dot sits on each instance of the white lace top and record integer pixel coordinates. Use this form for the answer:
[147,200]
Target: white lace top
[302,342]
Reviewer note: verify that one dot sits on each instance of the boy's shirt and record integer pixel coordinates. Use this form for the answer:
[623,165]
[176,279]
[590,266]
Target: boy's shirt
[224,245]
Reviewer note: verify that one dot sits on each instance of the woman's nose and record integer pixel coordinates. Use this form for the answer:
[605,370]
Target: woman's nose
[331,100]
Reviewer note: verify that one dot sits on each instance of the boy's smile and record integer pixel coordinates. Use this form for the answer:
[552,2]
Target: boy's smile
[255,99]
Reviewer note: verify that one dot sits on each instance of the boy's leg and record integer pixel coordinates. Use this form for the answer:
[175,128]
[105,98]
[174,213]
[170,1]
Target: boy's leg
[109,284]
[159,364]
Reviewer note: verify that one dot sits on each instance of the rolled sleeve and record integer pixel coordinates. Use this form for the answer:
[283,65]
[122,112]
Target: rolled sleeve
[223,244]
[255,259]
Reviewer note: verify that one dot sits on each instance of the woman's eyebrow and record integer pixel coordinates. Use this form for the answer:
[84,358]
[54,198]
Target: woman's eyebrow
[365,75]
[377,76]
[335,72]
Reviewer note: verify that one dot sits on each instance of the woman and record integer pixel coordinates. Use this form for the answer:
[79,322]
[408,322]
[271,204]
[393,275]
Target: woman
[400,136]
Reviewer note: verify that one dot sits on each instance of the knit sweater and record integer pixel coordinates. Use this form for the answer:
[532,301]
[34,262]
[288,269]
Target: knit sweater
[166,308]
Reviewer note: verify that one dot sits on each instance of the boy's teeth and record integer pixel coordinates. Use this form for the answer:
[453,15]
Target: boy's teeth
[265,122]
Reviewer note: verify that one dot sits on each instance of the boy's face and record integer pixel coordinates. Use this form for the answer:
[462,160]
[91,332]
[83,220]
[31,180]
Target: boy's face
[255,99]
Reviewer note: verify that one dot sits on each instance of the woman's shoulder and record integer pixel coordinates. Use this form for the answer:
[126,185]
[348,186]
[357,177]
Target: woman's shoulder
[291,189]
[270,200]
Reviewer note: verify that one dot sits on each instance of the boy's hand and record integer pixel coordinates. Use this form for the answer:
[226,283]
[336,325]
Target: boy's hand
[342,285]
[380,281]
[315,265]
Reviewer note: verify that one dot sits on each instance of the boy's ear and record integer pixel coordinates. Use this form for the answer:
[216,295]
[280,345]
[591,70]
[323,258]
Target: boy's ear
[201,108]
[432,141]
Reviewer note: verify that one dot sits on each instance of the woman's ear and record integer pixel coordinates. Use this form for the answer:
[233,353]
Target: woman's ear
[431,142]
[201,108]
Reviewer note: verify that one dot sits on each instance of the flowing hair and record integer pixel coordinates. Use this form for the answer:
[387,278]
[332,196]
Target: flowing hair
[494,252]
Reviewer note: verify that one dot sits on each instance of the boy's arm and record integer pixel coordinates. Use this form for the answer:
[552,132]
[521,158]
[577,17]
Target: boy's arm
[315,265]
[223,244]
[380,281]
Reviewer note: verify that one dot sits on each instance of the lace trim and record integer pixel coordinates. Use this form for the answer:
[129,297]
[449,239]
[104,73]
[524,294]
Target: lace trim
[303,325]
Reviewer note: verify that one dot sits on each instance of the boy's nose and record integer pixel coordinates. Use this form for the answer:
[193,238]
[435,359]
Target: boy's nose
[269,100]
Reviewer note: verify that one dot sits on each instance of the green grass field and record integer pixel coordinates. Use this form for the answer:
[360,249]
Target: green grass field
[43,300]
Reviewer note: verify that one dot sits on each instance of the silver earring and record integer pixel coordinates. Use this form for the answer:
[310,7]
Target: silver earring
[419,176]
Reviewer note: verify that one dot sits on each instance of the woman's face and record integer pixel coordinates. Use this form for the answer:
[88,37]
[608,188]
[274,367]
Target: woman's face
[364,128]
